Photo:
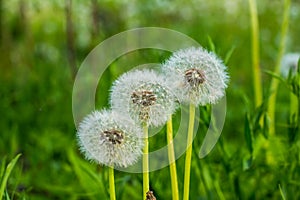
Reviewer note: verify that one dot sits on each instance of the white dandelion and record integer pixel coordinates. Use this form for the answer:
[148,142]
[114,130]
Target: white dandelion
[196,75]
[144,96]
[289,64]
[109,139]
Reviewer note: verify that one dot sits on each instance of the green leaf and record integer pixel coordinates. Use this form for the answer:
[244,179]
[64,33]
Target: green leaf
[259,115]
[248,134]
[247,163]
[266,126]
[88,179]
[122,182]
[281,192]
[228,55]
[6,174]
[293,128]
[274,75]
[2,169]
[292,82]
[211,44]
[256,118]
[7,195]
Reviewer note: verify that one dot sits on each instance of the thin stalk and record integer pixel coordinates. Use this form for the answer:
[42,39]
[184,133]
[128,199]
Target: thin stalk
[255,53]
[112,192]
[188,156]
[145,162]
[275,81]
[171,154]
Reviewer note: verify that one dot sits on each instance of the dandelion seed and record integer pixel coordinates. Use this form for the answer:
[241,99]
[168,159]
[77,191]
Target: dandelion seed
[144,96]
[196,75]
[289,64]
[109,139]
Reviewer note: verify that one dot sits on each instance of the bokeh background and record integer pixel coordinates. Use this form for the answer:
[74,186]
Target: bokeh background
[43,43]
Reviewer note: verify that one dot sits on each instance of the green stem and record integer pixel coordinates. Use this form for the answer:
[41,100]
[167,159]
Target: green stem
[188,156]
[255,53]
[112,192]
[171,154]
[275,81]
[145,162]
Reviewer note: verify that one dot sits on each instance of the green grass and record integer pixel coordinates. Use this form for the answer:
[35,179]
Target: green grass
[4,175]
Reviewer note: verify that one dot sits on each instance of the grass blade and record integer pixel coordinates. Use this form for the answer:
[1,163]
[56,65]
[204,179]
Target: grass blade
[248,134]
[211,44]
[6,174]
[281,192]
[2,169]
[228,55]
[88,179]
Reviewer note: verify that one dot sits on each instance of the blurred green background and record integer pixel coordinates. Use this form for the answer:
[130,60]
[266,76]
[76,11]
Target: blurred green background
[42,45]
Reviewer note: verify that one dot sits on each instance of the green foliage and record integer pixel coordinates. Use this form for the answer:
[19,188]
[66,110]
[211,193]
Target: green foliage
[89,179]
[4,175]
[36,83]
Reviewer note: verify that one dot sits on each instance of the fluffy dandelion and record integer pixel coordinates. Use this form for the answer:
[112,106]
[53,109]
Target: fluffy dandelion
[289,64]
[109,139]
[198,77]
[143,95]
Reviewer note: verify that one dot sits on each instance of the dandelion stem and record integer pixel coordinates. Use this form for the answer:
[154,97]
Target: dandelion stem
[145,162]
[255,53]
[171,154]
[112,192]
[188,156]
[275,81]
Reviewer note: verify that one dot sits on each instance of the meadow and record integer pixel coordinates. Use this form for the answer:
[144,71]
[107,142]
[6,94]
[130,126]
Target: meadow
[43,44]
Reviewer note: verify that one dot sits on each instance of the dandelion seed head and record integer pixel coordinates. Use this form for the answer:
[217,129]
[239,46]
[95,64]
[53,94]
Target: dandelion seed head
[110,139]
[144,96]
[289,64]
[196,76]
[114,136]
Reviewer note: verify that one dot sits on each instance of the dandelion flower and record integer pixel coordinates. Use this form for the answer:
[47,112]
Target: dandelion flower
[289,64]
[196,75]
[109,139]
[144,96]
